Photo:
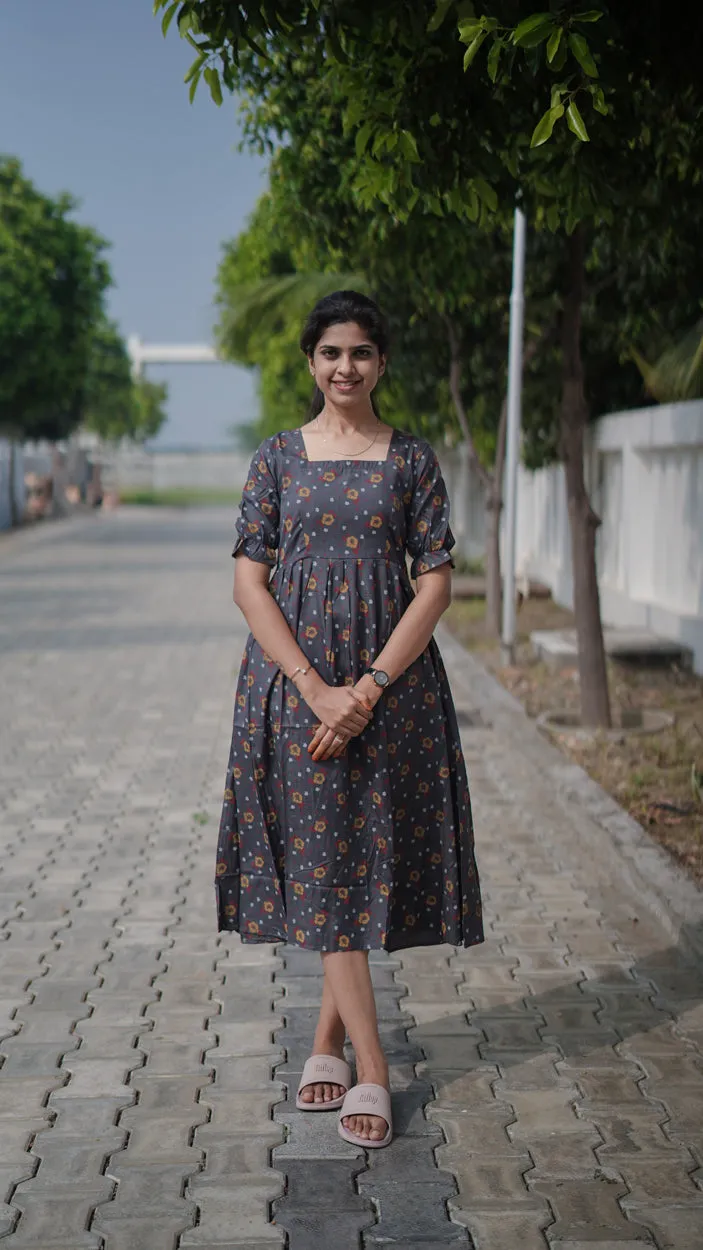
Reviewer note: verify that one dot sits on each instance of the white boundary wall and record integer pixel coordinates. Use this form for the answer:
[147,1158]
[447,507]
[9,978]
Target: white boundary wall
[645,476]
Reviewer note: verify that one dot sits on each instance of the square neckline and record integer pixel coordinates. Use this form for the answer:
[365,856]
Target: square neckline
[345,459]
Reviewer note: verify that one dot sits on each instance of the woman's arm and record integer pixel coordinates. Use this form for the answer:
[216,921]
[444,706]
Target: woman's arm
[414,629]
[340,708]
[407,641]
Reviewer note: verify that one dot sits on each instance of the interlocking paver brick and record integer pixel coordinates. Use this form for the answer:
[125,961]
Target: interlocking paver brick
[76,1160]
[50,1215]
[497,1230]
[568,1156]
[418,1211]
[588,1209]
[580,1000]
[228,1154]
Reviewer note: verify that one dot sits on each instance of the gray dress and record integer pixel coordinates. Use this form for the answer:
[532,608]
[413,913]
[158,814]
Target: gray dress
[374,849]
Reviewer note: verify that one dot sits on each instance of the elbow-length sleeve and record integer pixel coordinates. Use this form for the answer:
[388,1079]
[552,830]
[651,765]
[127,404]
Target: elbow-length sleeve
[257,526]
[429,536]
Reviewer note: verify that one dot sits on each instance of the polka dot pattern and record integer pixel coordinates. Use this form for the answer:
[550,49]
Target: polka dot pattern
[375,849]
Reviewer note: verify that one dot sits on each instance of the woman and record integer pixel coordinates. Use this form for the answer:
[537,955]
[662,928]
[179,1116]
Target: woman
[346,824]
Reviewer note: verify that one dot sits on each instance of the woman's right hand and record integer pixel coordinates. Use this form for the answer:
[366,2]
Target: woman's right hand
[342,709]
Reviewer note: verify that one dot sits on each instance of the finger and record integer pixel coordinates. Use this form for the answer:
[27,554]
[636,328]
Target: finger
[324,745]
[353,724]
[337,746]
[317,736]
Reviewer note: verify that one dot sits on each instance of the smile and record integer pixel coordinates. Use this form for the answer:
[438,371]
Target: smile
[346,386]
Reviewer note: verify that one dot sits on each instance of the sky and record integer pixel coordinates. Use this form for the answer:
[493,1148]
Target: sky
[92,101]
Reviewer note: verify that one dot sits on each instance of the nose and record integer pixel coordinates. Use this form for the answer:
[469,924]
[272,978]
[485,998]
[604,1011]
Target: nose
[345,367]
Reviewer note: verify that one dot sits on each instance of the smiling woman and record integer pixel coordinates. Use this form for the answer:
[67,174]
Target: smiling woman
[346,825]
[346,342]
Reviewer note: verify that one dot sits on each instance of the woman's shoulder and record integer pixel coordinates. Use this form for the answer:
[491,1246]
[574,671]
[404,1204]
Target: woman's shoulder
[415,448]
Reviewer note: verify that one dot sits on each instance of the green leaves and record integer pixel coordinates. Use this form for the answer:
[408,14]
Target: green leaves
[408,146]
[53,280]
[363,135]
[443,7]
[534,30]
[473,48]
[486,193]
[576,123]
[543,130]
[582,52]
[168,15]
[554,43]
[493,59]
[545,126]
[599,103]
[212,79]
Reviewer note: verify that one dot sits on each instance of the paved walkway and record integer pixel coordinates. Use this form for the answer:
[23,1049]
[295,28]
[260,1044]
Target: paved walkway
[548,1086]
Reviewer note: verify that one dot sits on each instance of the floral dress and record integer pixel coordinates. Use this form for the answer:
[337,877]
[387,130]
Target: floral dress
[373,849]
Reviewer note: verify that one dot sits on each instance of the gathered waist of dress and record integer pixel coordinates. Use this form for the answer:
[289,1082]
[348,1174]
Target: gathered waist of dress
[350,559]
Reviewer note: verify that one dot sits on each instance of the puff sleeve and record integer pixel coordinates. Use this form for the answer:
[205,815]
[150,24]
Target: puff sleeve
[429,536]
[257,531]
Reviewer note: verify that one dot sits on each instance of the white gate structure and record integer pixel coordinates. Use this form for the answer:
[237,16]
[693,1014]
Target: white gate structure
[142,354]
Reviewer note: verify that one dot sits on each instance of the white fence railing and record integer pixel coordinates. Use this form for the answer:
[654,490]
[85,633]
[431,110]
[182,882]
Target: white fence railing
[645,476]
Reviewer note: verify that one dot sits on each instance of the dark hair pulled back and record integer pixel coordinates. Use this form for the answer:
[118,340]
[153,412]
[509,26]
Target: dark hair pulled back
[336,309]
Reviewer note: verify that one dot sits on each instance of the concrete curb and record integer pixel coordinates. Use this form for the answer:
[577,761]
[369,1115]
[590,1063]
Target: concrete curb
[663,886]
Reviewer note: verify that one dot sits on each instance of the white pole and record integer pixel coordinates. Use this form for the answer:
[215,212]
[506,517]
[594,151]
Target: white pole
[512,458]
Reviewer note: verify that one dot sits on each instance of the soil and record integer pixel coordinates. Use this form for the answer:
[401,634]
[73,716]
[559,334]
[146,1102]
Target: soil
[650,776]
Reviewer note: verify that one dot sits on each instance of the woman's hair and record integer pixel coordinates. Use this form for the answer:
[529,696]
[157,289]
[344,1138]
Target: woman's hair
[336,309]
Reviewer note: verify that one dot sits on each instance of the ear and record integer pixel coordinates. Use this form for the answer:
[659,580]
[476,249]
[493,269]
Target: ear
[381,366]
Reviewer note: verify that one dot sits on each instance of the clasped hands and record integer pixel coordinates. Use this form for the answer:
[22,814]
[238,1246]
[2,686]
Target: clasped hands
[344,712]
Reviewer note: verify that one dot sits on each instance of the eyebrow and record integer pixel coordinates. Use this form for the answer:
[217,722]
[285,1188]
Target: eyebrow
[354,348]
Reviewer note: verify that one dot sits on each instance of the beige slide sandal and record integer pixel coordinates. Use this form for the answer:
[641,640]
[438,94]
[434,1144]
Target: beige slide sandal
[324,1070]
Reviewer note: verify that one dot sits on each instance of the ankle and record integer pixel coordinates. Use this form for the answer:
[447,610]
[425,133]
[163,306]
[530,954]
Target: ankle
[372,1070]
[329,1042]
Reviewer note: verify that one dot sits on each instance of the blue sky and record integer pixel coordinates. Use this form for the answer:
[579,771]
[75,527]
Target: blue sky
[92,101]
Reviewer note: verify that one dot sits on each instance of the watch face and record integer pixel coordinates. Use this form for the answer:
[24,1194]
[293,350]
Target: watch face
[380,678]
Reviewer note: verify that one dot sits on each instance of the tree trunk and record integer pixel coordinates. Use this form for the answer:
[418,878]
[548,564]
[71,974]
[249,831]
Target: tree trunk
[595,703]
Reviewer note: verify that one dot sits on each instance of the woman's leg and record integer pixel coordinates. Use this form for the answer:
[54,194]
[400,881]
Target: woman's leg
[349,979]
[330,1036]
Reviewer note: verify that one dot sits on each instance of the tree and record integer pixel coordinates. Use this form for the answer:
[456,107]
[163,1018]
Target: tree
[53,277]
[457,130]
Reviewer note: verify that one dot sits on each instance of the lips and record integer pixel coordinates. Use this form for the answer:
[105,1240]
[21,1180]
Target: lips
[345,387]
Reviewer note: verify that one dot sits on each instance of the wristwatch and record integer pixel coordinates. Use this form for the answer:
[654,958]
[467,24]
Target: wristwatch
[381,679]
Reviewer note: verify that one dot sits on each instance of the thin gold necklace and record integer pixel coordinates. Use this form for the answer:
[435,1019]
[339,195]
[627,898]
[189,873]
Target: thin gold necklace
[316,425]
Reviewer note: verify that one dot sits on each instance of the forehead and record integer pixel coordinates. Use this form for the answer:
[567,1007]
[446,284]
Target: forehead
[346,334]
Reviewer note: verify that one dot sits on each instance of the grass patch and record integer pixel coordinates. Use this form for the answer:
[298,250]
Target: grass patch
[180,497]
[649,776]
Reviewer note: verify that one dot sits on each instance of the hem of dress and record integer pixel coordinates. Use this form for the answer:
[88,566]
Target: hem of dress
[395,941]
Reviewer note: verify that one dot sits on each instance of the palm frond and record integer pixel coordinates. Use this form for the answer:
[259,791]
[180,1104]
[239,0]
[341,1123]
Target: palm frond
[678,373]
[263,308]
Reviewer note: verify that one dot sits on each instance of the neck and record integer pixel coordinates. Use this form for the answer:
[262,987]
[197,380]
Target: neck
[347,419]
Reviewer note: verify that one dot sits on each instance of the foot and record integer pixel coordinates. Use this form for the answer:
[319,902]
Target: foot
[370,1127]
[322,1092]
